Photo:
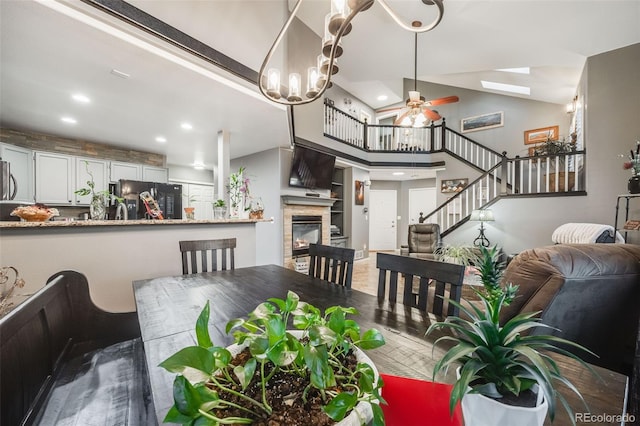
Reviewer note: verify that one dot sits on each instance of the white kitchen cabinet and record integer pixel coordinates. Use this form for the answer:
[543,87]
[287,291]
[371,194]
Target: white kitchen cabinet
[129,171]
[155,174]
[85,167]
[54,183]
[21,165]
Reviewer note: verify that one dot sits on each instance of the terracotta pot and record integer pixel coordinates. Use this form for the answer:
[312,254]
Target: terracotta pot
[190,211]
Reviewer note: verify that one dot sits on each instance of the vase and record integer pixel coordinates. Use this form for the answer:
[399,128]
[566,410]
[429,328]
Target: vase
[219,212]
[190,212]
[97,209]
[634,185]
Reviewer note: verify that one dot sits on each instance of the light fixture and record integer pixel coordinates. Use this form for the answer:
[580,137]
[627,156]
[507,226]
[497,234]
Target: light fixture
[382,97]
[482,216]
[571,106]
[186,126]
[198,166]
[161,139]
[79,97]
[397,173]
[69,120]
[337,25]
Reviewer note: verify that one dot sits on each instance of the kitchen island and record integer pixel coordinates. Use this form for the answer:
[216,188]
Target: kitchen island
[112,253]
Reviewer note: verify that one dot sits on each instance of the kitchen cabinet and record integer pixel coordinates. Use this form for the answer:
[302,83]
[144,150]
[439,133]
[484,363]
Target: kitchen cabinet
[127,171]
[155,174]
[21,165]
[54,183]
[89,169]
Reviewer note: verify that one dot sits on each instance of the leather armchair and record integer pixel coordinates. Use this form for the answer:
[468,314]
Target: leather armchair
[423,241]
[589,292]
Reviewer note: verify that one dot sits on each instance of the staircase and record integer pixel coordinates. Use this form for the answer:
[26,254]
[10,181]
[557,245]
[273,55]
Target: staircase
[551,175]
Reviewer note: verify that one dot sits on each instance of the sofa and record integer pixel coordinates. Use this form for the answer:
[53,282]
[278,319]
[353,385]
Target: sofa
[591,294]
[423,241]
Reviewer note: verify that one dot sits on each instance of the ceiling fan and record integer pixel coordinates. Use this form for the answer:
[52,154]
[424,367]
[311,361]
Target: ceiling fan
[416,112]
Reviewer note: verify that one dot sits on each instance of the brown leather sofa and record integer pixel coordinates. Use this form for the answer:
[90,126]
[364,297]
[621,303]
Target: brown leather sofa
[591,292]
[423,241]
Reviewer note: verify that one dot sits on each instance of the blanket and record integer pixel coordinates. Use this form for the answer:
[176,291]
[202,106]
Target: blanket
[584,233]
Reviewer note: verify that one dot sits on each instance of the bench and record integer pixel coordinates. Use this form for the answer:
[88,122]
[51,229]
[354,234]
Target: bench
[65,361]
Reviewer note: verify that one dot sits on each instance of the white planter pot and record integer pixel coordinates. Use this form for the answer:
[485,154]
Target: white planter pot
[361,413]
[479,410]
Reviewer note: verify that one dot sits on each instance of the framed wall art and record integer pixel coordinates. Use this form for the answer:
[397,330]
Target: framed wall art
[482,122]
[449,186]
[359,193]
[541,134]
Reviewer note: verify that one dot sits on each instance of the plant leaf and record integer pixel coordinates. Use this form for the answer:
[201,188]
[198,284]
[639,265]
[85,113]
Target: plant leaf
[186,397]
[321,335]
[340,405]
[245,372]
[202,328]
[175,416]
[194,357]
[371,339]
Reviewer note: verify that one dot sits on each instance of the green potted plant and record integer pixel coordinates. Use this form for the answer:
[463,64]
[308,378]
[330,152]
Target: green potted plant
[273,375]
[462,255]
[97,205]
[219,209]
[501,365]
[190,211]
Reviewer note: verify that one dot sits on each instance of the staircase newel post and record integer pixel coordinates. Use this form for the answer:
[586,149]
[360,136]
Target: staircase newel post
[443,128]
[365,137]
[516,170]
[504,173]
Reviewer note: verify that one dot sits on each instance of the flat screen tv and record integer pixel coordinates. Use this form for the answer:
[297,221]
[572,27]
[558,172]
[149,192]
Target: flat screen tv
[311,169]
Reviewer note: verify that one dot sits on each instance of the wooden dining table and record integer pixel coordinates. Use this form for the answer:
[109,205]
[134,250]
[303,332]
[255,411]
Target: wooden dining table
[169,306]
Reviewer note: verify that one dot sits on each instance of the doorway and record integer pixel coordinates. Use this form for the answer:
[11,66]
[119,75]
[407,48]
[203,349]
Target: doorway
[383,207]
[421,200]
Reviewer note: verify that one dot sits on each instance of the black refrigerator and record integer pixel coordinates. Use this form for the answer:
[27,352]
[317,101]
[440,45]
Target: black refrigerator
[167,195]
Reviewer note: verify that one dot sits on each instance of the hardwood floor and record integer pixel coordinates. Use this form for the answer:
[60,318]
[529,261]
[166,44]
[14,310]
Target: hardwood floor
[365,274]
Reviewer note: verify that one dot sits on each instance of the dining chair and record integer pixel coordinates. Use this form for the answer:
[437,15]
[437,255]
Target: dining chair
[208,250]
[440,276]
[333,264]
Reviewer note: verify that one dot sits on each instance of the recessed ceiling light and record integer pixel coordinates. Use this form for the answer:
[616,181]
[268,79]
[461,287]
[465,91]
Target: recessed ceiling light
[186,126]
[383,97]
[198,166]
[523,90]
[397,173]
[522,70]
[69,120]
[79,97]
[161,139]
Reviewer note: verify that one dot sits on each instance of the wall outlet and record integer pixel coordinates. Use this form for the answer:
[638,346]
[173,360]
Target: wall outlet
[359,254]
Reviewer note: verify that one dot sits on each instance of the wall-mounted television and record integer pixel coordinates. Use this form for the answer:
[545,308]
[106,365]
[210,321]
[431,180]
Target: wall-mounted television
[311,169]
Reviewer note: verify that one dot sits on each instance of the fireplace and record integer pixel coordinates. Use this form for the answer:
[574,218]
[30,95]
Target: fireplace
[305,230]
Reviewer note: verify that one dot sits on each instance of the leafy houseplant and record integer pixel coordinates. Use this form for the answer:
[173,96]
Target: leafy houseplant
[276,375]
[190,210]
[555,150]
[219,209]
[97,206]
[238,192]
[462,255]
[501,362]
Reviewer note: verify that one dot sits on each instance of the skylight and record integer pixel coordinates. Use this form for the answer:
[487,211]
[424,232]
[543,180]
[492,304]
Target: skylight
[523,90]
[522,70]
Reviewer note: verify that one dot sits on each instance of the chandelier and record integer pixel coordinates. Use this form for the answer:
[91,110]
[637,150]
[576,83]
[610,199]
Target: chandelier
[337,25]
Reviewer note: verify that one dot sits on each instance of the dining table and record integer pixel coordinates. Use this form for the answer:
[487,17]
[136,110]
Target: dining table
[168,308]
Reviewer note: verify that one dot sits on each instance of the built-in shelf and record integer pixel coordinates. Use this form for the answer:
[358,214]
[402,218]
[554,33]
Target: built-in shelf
[337,210]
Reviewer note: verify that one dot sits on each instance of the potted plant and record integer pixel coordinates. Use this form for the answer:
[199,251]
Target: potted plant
[219,209]
[634,165]
[257,209]
[97,205]
[461,255]
[556,150]
[238,190]
[190,211]
[500,366]
[272,375]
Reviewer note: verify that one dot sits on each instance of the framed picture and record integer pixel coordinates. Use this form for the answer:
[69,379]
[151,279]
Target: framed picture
[359,193]
[482,122]
[449,186]
[541,134]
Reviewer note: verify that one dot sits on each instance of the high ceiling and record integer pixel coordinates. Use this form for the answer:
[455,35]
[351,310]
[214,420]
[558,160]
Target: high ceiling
[47,56]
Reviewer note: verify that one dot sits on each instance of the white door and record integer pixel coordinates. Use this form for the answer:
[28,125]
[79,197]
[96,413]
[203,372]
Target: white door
[421,200]
[383,209]
[203,199]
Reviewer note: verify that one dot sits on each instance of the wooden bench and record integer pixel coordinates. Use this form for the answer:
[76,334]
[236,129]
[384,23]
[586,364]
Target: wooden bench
[65,361]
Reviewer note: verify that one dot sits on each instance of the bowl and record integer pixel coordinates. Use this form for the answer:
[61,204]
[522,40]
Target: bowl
[30,214]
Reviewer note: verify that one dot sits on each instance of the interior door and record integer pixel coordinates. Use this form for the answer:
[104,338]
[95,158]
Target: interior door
[203,195]
[383,208]
[421,200]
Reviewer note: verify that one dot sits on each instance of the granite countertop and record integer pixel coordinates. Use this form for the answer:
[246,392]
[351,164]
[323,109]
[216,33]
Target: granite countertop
[92,223]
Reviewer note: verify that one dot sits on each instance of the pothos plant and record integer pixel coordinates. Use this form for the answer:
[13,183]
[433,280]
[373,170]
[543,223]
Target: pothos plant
[213,387]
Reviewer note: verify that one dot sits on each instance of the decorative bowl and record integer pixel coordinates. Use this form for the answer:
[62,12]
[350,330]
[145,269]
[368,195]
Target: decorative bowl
[34,214]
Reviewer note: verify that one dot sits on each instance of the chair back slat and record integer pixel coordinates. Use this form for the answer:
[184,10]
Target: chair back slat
[445,279]
[191,250]
[333,264]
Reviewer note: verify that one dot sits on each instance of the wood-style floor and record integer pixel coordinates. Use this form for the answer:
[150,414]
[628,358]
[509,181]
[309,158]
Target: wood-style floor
[365,274]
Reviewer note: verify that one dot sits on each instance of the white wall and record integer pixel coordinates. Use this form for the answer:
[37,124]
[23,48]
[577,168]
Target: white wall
[356,220]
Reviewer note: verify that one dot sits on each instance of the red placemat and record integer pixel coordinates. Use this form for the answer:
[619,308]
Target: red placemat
[413,402]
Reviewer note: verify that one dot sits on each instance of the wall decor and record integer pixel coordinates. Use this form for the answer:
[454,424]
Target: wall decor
[359,193]
[453,185]
[482,122]
[541,134]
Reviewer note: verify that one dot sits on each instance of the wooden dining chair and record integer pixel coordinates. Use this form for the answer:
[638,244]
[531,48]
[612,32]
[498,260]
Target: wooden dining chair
[333,264]
[208,254]
[439,275]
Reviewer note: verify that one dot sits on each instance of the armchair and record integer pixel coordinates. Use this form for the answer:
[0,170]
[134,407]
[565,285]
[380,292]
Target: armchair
[423,241]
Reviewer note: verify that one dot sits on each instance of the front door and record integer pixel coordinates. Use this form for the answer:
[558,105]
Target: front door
[382,226]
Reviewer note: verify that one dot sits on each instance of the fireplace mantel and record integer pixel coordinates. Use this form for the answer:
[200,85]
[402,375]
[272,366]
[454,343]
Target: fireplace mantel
[307,201]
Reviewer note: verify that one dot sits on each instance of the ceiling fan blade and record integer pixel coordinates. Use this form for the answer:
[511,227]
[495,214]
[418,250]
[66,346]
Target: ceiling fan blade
[432,115]
[442,101]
